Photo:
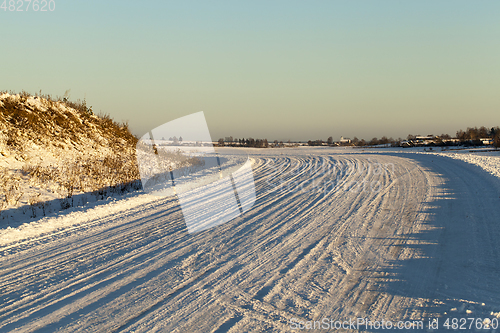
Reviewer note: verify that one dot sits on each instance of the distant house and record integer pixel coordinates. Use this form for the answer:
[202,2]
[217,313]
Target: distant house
[425,138]
[406,143]
[421,140]
[486,141]
[344,140]
[452,141]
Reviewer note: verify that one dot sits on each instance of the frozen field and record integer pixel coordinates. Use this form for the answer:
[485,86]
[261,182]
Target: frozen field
[334,233]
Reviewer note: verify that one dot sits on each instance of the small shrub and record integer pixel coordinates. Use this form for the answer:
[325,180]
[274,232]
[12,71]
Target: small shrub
[65,204]
[34,202]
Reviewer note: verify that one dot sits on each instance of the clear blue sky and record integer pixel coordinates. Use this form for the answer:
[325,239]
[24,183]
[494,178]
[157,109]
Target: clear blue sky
[277,69]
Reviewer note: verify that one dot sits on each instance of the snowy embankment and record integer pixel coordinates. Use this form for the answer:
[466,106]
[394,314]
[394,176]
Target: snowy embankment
[58,154]
[490,163]
[34,230]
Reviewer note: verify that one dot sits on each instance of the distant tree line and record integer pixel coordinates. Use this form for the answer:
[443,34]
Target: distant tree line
[375,141]
[473,136]
[315,143]
[249,142]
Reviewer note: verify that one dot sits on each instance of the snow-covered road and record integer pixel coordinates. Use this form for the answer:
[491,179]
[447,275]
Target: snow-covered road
[383,236]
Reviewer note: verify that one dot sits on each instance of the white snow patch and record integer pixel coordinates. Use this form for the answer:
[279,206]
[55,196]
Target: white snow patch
[489,163]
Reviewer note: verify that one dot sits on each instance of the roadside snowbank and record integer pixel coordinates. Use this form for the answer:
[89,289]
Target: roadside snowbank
[489,163]
[73,217]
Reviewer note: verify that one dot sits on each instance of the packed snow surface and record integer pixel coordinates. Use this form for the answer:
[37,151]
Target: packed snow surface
[333,233]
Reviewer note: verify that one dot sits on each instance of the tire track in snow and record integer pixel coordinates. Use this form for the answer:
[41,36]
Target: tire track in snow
[294,254]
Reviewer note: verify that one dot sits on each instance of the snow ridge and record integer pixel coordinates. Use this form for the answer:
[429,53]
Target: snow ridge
[490,164]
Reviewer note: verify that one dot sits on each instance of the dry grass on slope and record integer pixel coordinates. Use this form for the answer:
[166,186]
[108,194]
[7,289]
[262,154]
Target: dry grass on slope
[53,148]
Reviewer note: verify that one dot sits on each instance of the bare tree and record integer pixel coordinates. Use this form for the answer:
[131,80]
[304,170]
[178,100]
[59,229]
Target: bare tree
[496,140]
